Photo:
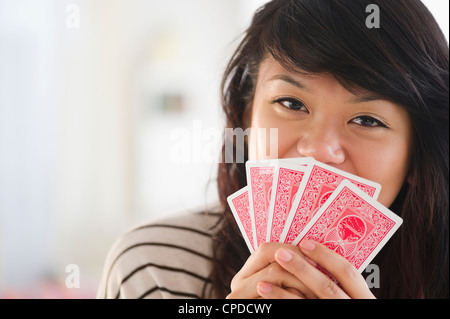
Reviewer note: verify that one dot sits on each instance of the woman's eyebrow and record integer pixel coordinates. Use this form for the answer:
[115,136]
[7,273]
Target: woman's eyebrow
[290,80]
[366,97]
[359,97]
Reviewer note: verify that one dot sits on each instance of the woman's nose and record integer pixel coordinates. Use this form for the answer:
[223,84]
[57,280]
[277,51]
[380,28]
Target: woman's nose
[323,143]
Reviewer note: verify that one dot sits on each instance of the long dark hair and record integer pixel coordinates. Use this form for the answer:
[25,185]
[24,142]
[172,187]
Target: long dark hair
[404,61]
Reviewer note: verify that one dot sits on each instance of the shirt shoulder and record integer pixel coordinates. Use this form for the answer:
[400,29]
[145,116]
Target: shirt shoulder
[168,258]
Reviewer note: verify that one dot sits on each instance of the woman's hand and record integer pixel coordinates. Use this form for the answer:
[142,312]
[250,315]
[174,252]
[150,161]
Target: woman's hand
[352,283]
[262,273]
[278,270]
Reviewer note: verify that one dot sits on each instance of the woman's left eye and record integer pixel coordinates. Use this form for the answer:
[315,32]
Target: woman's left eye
[291,104]
[368,121]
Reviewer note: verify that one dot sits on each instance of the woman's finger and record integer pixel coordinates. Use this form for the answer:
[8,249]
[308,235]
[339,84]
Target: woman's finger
[273,274]
[269,291]
[317,282]
[262,257]
[346,274]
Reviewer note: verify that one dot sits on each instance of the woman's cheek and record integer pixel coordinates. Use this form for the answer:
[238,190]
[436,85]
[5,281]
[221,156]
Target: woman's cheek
[386,165]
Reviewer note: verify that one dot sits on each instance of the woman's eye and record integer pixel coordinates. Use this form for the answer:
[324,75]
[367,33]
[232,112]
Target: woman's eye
[291,104]
[368,121]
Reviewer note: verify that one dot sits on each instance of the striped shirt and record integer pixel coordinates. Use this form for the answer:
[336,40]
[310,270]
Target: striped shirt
[171,258]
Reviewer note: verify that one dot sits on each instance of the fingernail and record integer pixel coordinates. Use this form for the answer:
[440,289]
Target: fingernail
[284,255]
[264,288]
[307,245]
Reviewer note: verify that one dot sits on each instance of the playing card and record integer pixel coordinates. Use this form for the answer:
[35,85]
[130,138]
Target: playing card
[286,182]
[353,224]
[259,180]
[240,207]
[320,180]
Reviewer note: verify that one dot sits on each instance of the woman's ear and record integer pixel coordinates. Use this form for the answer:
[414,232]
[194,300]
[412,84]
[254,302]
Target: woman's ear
[409,180]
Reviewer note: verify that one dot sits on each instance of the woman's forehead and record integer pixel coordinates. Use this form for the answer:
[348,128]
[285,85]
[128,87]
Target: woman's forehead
[272,70]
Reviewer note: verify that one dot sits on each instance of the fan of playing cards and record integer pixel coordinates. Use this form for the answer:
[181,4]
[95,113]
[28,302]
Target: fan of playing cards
[288,200]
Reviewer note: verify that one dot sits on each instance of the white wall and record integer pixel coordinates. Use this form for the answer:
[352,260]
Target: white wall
[82,148]
[439,9]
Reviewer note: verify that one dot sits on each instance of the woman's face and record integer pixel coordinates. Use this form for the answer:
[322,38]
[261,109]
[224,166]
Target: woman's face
[317,117]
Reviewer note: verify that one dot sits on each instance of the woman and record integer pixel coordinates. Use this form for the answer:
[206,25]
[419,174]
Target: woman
[370,101]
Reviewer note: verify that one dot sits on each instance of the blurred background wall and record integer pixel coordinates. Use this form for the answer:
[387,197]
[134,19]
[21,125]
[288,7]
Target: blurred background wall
[109,116]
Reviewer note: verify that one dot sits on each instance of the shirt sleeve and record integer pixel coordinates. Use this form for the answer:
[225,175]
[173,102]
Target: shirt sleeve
[171,258]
